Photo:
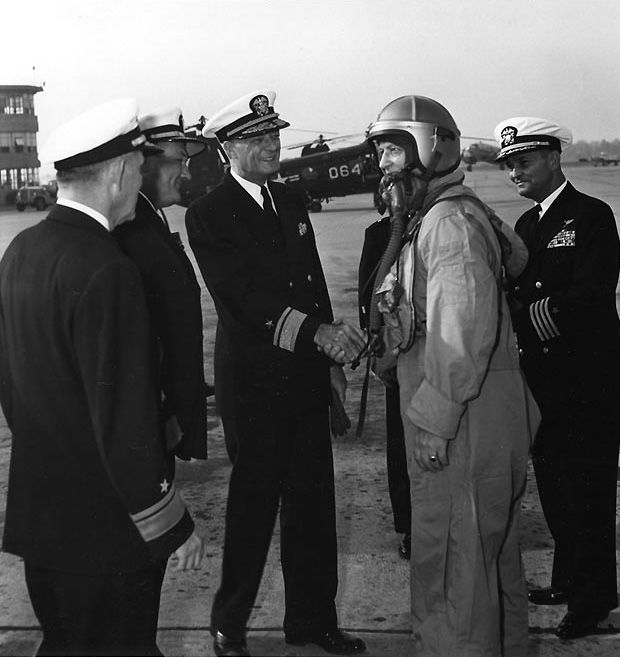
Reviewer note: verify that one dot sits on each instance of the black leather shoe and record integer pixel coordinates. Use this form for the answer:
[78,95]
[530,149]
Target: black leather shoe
[575,625]
[404,549]
[547,596]
[335,641]
[224,646]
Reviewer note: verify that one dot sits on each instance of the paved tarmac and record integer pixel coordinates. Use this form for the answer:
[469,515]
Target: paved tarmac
[373,598]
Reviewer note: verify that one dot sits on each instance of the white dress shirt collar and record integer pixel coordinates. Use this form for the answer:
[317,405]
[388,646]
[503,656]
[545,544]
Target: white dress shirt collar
[252,189]
[97,216]
[546,204]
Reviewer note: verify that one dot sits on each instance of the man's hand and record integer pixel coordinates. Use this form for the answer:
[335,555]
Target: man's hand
[189,555]
[172,432]
[338,419]
[340,341]
[430,451]
[339,382]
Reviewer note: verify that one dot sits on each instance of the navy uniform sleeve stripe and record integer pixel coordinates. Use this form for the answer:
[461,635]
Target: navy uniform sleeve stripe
[161,517]
[538,321]
[542,320]
[287,328]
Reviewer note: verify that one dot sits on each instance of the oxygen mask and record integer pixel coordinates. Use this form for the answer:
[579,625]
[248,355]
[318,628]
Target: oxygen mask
[402,193]
[392,191]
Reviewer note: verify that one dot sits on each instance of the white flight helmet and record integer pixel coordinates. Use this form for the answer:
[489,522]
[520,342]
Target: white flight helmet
[428,127]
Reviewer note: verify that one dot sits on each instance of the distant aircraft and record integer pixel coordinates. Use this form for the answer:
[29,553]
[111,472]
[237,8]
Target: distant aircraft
[603,159]
[480,152]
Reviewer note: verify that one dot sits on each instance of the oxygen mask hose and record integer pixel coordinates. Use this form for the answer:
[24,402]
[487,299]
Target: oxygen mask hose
[393,194]
[403,199]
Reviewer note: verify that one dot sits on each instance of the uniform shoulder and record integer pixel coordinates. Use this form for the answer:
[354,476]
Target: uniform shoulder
[284,190]
[281,186]
[593,202]
[283,193]
[215,197]
[139,225]
[589,210]
[85,256]
[379,226]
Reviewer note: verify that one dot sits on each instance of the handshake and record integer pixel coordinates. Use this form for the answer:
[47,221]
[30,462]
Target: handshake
[341,341]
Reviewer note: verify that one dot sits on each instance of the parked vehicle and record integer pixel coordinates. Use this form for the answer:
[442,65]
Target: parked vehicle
[34,197]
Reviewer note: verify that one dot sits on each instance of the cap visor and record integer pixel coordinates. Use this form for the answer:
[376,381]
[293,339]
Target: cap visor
[148,147]
[194,146]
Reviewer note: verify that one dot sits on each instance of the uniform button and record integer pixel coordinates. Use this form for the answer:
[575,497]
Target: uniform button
[538,285]
[517,288]
[545,350]
[309,278]
[290,283]
[521,352]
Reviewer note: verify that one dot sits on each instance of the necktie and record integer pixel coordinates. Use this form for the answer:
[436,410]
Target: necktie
[164,218]
[268,209]
[538,209]
[535,228]
[270,213]
[267,204]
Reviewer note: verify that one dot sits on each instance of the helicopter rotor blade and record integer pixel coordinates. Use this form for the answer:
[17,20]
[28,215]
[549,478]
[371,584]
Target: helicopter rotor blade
[316,132]
[330,139]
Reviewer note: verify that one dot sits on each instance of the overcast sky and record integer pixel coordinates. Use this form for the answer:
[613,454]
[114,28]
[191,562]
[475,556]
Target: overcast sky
[333,63]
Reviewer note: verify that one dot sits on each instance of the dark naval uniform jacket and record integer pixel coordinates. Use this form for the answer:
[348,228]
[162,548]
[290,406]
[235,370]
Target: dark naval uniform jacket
[568,289]
[89,488]
[269,291]
[267,283]
[173,300]
[569,338]
[376,238]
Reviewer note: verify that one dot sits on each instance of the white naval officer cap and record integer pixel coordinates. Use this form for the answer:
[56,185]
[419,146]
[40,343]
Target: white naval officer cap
[166,124]
[248,116]
[99,134]
[528,133]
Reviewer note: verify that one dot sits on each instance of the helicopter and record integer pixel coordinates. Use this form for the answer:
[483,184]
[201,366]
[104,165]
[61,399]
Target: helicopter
[319,173]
